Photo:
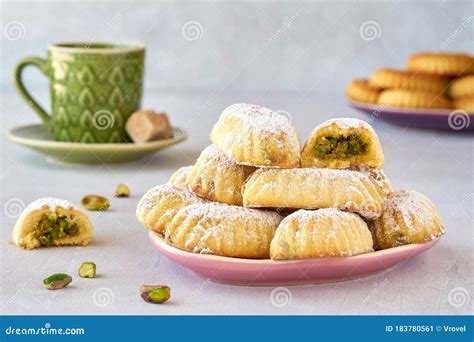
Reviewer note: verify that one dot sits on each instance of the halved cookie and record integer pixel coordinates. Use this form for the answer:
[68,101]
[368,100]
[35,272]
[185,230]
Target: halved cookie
[257,136]
[52,222]
[343,143]
[320,233]
[221,229]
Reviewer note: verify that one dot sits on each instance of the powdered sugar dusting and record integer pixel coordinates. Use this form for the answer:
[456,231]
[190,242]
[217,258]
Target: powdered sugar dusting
[321,233]
[50,202]
[259,118]
[306,216]
[377,176]
[214,228]
[217,177]
[326,173]
[218,158]
[232,212]
[166,190]
[410,204]
[346,123]
[257,136]
[322,188]
[179,178]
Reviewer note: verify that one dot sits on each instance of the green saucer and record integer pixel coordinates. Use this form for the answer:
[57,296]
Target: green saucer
[38,138]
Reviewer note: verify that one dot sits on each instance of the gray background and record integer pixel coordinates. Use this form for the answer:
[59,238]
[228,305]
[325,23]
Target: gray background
[246,54]
[244,46]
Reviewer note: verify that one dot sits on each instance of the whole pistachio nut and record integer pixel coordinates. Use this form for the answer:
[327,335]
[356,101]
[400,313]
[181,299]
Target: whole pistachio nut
[155,294]
[57,281]
[95,202]
[122,191]
[87,270]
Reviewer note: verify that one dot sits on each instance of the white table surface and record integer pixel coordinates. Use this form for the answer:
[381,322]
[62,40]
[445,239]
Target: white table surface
[439,164]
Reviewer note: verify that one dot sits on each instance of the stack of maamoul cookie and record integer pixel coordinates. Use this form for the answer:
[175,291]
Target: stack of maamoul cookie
[254,193]
[432,80]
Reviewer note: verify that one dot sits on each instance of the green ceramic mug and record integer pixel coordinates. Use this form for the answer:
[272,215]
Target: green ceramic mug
[94,89]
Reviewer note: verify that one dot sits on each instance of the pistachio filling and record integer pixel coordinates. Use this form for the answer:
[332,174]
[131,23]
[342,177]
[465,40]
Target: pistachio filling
[53,227]
[340,147]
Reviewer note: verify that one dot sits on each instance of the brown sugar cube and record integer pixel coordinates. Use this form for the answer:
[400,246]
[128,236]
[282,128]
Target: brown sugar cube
[148,125]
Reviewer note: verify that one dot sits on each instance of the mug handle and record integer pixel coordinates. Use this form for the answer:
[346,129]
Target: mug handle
[41,64]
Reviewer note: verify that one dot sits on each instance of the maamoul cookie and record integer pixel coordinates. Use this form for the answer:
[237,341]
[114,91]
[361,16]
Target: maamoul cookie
[257,136]
[221,229]
[444,64]
[413,99]
[465,103]
[320,233]
[408,217]
[342,143]
[314,189]
[361,91]
[217,177]
[52,222]
[377,176]
[159,205]
[180,177]
[461,87]
[398,79]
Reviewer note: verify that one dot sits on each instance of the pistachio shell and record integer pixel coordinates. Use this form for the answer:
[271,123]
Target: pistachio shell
[155,294]
[57,281]
[95,203]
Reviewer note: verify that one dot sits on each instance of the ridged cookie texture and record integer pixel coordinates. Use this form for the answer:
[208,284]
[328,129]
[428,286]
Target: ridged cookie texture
[180,177]
[257,136]
[310,188]
[413,99]
[320,233]
[159,205]
[441,63]
[217,177]
[408,217]
[220,229]
[400,79]
[361,91]
[465,103]
[377,176]
[343,143]
[52,222]
[460,87]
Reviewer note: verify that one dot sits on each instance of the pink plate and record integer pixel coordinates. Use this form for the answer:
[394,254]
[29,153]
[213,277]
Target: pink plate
[255,272]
